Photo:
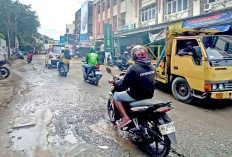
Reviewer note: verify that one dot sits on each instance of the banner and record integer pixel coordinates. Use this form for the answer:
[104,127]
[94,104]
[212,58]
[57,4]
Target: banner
[84,20]
[223,18]
[108,37]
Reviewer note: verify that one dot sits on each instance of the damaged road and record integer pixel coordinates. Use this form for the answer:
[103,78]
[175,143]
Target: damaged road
[51,115]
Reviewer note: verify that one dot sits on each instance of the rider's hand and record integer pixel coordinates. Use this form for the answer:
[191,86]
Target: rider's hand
[110,81]
[190,53]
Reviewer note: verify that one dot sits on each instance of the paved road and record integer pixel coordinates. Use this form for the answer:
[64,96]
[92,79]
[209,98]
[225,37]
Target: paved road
[71,119]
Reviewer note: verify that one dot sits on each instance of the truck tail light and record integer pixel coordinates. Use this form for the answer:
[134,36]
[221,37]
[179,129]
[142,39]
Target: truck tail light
[208,87]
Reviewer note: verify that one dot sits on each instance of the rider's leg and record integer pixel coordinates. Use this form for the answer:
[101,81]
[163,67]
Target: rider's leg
[84,67]
[120,97]
[90,69]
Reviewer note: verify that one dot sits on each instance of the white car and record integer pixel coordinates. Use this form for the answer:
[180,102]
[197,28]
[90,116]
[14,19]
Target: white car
[53,56]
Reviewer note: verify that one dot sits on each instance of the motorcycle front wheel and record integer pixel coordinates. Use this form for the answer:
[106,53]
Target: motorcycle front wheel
[5,72]
[111,112]
[156,144]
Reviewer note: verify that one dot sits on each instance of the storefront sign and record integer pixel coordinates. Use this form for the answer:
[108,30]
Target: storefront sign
[62,39]
[127,27]
[108,37]
[208,21]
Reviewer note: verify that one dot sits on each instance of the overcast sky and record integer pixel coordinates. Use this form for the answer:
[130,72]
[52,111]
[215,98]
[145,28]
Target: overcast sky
[54,14]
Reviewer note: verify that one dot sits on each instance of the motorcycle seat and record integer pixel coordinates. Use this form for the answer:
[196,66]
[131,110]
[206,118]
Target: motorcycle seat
[146,102]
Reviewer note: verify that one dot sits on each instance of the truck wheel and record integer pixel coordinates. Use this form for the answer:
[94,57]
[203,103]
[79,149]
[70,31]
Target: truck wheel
[181,90]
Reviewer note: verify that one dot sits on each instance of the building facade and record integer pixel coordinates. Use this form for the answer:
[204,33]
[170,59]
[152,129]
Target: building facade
[77,26]
[119,13]
[133,21]
[70,28]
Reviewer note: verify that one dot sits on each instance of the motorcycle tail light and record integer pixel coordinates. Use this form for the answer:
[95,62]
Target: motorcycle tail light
[50,56]
[163,109]
[97,66]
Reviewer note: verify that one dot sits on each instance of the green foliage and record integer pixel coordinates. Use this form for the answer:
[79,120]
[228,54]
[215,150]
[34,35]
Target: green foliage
[20,19]
[2,36]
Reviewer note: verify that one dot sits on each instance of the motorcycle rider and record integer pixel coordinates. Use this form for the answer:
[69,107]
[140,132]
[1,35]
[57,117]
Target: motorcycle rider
[137,84]
[92,60]
[30,55]
[65,58]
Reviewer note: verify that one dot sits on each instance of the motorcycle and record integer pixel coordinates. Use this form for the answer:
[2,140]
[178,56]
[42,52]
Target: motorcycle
[123,64]
[63,70]
[109,62]
[4,71]
[94,76]
[29,58]
[150,122]
[19,55]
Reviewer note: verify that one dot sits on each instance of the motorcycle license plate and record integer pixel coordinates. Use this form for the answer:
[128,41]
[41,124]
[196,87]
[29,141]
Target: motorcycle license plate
[167,128]
[98,73]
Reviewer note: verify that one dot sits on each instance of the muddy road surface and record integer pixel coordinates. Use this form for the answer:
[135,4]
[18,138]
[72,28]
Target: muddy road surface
[51,115]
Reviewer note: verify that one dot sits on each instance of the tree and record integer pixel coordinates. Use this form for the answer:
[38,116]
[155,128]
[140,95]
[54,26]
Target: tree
[2,36]
[18,20]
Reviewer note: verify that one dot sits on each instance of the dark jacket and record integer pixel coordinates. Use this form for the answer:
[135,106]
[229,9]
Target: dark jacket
[139,80]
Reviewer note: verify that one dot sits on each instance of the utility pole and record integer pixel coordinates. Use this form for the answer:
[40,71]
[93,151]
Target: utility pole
[16,31]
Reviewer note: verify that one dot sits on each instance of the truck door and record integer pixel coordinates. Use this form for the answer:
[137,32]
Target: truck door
[186,61]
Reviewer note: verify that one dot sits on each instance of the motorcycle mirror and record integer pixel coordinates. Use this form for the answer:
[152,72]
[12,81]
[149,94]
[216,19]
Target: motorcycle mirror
[108,70]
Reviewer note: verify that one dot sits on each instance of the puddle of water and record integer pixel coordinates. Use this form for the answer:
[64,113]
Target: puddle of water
[27,139]
[24,139]
[70,137]
[105,128]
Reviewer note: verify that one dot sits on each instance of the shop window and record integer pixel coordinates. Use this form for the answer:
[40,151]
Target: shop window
[123,19]
[108,3]
[115,23]
[115,2]
[103,6]
[211,1]
[98,8]
[148,14]
[177,6]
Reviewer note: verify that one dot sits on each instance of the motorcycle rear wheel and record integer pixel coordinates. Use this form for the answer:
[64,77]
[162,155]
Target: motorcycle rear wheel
[5,72]
[155,142]
[96,82]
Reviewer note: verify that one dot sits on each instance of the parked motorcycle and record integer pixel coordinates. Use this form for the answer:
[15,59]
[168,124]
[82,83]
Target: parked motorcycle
[19,55]
[63,70]
[150,123]
[94,76]
[5,72]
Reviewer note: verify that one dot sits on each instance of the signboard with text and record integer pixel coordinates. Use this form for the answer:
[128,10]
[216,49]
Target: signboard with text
[223,18]
[62,39]
[127,27]
[108,37]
